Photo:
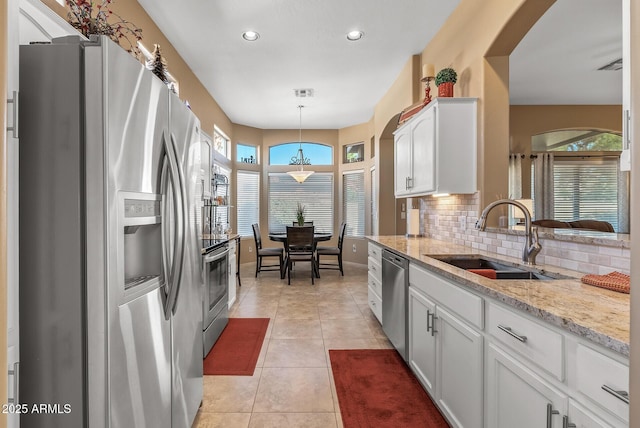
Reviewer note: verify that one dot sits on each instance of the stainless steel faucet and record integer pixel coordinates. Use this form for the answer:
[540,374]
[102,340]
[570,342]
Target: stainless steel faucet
[531,245]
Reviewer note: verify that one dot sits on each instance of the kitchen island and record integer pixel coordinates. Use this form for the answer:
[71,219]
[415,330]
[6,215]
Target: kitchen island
[511,352]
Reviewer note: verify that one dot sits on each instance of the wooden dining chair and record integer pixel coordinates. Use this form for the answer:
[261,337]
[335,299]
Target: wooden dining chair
[306,223]
[332,251]
[300,248]
[266,252]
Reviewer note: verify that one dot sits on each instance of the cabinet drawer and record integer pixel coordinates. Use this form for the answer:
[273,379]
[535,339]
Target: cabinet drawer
[465,304]
[536,342]
[601,378]
[375,284]
[375,303]
[375,252]
[375,268]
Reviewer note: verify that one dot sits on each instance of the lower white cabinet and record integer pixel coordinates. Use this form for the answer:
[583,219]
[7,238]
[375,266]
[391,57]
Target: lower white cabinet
[518,397]
[422,341]
[581,417]
[374,264]
[445,353]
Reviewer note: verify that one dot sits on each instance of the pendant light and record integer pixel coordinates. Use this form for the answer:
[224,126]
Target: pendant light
[300,175]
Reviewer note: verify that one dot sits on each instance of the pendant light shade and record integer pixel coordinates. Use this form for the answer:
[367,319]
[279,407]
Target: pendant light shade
[300,175]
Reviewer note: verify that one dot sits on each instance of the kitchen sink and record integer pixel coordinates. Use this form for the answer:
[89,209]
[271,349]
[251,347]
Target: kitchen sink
[504,270]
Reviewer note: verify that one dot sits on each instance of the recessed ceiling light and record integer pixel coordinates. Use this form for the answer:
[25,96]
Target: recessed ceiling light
[250,36]
[354,35]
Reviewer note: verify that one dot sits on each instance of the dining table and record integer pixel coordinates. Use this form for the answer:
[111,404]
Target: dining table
[317,237]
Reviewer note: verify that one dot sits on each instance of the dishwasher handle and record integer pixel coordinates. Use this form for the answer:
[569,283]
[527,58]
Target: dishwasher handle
[401,262]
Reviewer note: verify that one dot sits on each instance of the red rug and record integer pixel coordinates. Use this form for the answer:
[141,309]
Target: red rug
[238,347]
[376,389]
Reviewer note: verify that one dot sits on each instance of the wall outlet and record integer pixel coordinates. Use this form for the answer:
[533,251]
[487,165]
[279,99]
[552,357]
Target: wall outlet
[250,249]
[354,248]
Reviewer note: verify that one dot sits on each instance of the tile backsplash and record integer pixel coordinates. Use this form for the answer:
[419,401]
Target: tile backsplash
[453,219]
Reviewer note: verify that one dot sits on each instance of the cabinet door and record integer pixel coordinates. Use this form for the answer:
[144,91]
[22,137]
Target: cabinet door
[423,145]
[625,156]
[517,397]
[583,418]
[459,371]
[422,343]
[402,154]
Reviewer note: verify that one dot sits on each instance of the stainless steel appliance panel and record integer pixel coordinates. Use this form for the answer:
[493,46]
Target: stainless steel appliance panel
[187,383]
[216,295]
[52,239]
[136,115]
[395,284]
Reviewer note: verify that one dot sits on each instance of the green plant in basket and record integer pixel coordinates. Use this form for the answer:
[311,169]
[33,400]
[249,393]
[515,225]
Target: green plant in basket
[446,75]
[300,214]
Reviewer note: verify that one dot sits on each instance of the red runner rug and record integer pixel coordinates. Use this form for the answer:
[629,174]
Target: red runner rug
[376,389]
[238,347]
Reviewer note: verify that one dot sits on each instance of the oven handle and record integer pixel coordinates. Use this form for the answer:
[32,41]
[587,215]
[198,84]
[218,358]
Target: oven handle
[212,257]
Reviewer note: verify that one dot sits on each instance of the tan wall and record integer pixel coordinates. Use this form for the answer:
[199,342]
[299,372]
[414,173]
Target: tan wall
[202,103]
[476,41]
[3,209]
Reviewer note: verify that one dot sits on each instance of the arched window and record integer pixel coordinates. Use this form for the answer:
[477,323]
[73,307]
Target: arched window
[576,140]
[314,153]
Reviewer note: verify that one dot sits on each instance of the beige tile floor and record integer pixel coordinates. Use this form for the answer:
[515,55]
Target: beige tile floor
[293,384]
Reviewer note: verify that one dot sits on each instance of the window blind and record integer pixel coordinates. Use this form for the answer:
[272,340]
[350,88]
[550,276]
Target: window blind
[586,190]
[316,194]
[353,202]
[248,201]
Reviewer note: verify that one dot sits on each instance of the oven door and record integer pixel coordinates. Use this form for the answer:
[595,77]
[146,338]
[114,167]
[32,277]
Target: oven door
[216,283]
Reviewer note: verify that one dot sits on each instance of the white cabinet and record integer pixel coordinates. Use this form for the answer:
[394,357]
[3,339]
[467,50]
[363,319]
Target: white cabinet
[435,151]
[518,397]
[422,341]
[445,352]
[459,370]
[625,156]
[374,296]
[231,269]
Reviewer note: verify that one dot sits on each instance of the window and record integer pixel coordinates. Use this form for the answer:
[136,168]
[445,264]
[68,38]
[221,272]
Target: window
[246,154]
[353,202]
[586,190]
[220,142]
[316,194]
[314,153]
[248,201]
[353,153]
[576,140]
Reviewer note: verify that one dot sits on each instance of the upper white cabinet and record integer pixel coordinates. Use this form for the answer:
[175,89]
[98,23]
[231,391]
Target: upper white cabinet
[625,156]
[435,151]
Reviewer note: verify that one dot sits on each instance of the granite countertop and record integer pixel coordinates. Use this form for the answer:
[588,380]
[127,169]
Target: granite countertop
[596,314]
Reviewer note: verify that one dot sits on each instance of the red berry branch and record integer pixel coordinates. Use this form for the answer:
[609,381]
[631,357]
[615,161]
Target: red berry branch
[90,17]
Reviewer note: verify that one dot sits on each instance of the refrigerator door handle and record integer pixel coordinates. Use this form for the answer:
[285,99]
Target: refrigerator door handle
[179,184]
[175,269]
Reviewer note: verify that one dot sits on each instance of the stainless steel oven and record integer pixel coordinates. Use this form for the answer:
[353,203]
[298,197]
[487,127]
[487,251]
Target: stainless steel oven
[216,294]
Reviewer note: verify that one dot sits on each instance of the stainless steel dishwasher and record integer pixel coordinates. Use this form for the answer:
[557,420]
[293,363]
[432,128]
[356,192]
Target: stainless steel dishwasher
[395,285]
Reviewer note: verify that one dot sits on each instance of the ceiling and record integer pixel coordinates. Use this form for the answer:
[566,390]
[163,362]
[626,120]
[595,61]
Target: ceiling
[303,45]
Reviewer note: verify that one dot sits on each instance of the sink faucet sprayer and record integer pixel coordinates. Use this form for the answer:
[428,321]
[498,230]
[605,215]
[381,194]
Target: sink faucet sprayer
[531,245]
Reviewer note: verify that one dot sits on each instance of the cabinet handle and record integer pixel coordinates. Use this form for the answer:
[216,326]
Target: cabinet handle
[550,413]
[16,384]
[620,395]
[373,302]
[508,330]
[627,128]
[14,127]
[566,423]
[373,268]
[431,322]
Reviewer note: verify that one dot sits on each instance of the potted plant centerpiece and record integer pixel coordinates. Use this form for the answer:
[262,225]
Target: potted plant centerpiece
[300,214]
[445,80]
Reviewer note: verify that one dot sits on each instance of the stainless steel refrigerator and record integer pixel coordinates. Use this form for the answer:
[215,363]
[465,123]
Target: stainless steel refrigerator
[110,266]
